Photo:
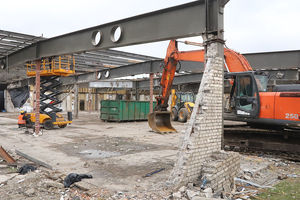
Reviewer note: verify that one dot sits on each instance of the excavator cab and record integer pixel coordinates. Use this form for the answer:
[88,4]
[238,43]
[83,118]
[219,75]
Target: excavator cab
[244,95]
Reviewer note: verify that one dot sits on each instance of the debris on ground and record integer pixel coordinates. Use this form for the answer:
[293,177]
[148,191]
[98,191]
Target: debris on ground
[261,173]
[73,178]
[6,156]
[118,159]
[26,168]
[154,172]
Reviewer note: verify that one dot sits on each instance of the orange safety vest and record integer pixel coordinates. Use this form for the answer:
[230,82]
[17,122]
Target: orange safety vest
[21,120]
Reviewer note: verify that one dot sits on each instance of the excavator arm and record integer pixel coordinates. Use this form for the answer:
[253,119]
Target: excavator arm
[160,120]
[234,62]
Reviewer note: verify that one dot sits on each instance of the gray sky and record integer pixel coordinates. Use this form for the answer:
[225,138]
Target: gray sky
[250,25]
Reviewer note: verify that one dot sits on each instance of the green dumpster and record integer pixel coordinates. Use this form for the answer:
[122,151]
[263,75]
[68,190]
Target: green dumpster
[120,110]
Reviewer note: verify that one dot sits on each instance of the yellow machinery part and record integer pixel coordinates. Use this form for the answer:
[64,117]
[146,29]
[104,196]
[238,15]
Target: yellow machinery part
[56,66]
[43,117]
[160,121]
[189,105]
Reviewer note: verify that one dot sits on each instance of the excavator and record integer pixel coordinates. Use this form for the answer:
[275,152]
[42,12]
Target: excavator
[249,99]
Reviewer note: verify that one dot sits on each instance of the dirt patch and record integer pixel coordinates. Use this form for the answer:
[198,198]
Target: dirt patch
[106,147]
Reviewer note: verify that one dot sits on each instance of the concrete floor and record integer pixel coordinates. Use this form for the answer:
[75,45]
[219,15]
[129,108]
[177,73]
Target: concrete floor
[118,155]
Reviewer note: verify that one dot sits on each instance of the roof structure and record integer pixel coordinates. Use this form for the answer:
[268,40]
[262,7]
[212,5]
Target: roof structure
[85,62]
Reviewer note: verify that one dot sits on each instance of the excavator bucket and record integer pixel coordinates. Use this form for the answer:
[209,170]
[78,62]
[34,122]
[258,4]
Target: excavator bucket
[160,121]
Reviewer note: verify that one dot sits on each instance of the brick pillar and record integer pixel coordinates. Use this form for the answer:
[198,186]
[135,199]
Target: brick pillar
[37,97]
[202,135]
[151,93]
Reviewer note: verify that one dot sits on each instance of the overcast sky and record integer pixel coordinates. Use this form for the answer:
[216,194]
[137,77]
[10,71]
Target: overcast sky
[250,25]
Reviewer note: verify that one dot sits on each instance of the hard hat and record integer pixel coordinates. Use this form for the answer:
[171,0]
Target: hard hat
[22,111]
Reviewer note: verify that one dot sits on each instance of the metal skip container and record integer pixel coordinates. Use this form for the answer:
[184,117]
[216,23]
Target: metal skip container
[121,110]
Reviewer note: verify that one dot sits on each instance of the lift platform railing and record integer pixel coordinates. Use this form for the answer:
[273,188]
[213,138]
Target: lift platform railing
[53,66]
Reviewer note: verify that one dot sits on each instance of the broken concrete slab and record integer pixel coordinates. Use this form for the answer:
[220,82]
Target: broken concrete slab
[41,163]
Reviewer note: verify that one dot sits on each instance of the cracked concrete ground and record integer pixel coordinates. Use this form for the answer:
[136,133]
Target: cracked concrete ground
[118,155]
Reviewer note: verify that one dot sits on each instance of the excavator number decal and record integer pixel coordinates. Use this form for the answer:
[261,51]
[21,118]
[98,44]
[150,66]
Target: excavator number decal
[291,116]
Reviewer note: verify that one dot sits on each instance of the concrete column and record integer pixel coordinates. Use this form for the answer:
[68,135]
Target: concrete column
[76,101]
[69,103]
[64,104]
[8,105]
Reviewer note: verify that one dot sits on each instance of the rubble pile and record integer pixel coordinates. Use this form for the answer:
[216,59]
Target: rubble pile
[43,184]
[256,174]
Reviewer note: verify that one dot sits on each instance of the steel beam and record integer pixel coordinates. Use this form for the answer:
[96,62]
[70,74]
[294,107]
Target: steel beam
[111,84]
[274,60]
[176,22]
[152,67]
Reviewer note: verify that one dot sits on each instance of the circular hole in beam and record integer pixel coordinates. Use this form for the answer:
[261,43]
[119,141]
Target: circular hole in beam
[99,75]
[106,74]
[116,33]
[96,38]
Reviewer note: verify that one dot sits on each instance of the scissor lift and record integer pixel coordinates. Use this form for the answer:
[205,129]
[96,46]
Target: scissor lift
[51,70]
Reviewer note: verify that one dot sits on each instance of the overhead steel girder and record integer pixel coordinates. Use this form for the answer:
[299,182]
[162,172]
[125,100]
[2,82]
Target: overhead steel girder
[185,20]
[289,75]
[272,60]
[153,66]
[178,80]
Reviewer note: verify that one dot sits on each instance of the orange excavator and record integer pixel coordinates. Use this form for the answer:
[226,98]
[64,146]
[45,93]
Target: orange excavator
[249,99]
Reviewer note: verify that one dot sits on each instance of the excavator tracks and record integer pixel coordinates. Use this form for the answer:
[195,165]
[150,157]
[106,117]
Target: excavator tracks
[281,144]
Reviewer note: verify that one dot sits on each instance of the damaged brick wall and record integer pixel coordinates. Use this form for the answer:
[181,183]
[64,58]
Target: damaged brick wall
[219,171]
[203,133]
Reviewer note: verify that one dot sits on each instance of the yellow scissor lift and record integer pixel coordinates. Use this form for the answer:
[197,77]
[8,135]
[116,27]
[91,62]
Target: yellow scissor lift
[51,69]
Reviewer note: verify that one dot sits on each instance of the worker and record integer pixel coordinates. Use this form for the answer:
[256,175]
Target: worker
[21,119]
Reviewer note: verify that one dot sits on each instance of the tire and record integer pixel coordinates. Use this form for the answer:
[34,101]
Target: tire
[29,124]
[174,114]
[62,126]
[48,125]
[183,115]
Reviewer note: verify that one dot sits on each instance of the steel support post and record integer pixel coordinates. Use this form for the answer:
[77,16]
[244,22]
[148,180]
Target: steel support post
[137,92]
[76,101]
[90,100]
[96,100]
[37,97]
[151,92]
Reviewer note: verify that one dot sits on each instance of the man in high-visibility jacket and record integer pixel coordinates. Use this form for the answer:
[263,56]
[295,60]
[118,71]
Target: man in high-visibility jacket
[21,119]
